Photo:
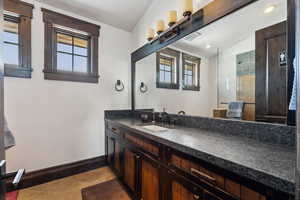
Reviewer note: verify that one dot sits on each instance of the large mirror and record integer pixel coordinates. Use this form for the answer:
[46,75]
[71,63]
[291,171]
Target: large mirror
[234,68]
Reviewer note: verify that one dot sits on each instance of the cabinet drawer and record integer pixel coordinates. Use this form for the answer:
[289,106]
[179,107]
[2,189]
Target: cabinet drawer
[143,144]
[197,171]
[227,185]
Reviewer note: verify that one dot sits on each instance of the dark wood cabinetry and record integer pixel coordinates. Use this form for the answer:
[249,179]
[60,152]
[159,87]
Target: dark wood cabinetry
[149,180]
[152,171]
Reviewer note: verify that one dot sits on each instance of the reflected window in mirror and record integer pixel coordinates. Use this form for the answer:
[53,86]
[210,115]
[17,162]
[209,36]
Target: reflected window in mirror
[167,65]
[190,72]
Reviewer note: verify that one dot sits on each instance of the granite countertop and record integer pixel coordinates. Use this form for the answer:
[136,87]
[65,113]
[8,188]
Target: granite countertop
[269,164]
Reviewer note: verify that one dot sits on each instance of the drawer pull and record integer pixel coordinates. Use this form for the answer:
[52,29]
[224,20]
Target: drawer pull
[203,176]
[196,197]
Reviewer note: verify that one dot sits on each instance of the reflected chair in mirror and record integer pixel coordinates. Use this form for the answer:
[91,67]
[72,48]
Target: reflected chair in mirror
[235,110]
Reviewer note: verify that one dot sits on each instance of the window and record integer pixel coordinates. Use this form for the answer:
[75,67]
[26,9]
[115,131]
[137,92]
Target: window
[190,72]
[11,41]
[17,39]
[168,69]
[71,52]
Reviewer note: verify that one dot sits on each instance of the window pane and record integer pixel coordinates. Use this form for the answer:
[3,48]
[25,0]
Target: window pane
[10,37]
[80,46]
[11,54]
[80,64]
[161,76]
[64,43]
[64,62]
[168,77]
[167,68]
[190,80]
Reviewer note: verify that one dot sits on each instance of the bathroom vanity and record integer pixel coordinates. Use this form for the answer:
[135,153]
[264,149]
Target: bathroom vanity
[220,62]
[185,163]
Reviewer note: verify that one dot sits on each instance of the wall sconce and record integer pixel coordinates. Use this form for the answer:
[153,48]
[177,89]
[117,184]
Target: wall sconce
[150,34]
[160,26]
[187,6]
[119,86]
[143,87]
[172,17]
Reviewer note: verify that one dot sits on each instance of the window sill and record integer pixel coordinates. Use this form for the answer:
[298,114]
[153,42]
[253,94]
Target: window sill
[16,71]
[69,76]
[191,88]
[167,86]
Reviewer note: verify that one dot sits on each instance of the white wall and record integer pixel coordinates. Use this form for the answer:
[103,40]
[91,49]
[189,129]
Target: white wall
[227,67]
[199,103]
[58,122]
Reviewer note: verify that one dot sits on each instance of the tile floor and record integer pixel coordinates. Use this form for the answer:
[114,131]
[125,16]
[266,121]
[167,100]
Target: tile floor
[67,188]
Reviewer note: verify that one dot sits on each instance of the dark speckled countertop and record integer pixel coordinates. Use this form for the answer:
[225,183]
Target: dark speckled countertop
[269,164]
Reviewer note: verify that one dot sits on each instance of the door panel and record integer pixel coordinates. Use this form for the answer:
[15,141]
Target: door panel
[149,181]
[130,169]
[271,75]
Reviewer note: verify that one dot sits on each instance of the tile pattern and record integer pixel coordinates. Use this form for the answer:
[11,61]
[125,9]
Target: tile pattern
[67,188]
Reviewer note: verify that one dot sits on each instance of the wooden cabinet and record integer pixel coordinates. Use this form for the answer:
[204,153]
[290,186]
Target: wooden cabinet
[149,180]
[114,153]
[130,169]
[153,171]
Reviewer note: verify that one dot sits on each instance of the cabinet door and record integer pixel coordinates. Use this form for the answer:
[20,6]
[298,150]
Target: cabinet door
[179,192]
[130,169]
[149,180]
[114,152]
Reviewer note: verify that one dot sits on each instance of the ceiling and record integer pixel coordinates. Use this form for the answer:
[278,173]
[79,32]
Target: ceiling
[118,13]
[235,28]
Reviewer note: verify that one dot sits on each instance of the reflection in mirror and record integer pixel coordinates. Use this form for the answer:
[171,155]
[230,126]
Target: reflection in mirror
[234,68]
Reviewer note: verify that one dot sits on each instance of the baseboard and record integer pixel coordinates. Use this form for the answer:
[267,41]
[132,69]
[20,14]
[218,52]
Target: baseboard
[49,174]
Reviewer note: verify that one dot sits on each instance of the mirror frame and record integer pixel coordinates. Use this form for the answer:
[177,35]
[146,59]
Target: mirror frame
[212,12]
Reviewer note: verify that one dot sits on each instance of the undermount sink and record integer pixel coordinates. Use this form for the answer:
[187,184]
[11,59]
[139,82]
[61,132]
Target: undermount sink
[155,128]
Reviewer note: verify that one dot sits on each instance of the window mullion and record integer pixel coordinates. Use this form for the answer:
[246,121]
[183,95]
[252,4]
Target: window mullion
[72,54]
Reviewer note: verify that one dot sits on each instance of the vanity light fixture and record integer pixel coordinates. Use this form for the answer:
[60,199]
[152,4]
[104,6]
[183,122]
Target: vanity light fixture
[150,34]
[172,17]
[160,26]
[269,9]
[208,46]
[187,6]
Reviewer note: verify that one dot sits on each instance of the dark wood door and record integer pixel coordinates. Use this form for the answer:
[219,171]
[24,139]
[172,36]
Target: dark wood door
[2,153]
[271,74]
[114,153]
[149,180]
[130,169]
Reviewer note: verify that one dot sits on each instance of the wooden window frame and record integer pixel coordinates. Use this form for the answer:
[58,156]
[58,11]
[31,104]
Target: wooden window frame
[51,19]
[73,35]
[24,12]
[197,61]
[172,53]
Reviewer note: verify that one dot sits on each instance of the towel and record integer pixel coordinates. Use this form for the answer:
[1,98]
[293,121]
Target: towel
[235,109]
[9,140]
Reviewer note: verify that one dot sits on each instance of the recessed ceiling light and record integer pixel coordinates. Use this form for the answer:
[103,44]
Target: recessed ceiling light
[208,46]
[270,9]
